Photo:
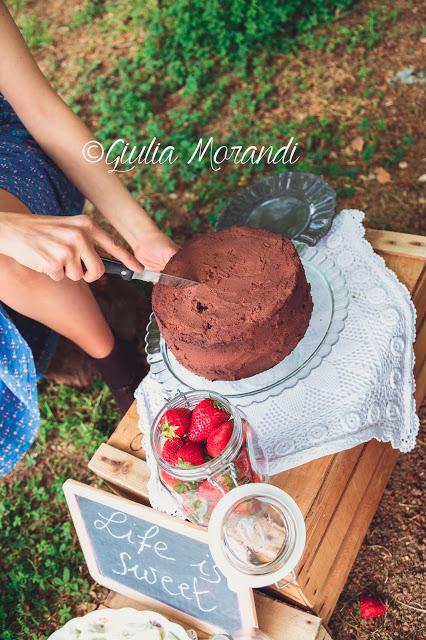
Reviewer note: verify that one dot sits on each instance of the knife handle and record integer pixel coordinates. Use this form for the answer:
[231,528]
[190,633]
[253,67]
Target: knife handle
[115,268]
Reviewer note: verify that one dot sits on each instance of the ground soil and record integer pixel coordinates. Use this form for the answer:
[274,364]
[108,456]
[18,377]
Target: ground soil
[390,564]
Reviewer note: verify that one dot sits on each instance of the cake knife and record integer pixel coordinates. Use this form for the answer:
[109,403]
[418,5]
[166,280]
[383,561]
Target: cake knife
[116,268]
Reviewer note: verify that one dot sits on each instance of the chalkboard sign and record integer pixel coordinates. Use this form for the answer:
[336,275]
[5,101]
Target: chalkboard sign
[154,558]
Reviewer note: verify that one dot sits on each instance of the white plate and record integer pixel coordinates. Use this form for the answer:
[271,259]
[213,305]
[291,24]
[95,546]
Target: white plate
[110,624]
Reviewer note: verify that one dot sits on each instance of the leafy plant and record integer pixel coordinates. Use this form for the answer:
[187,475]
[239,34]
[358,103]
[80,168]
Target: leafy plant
[43,573]
[193,38]
[35,31]
[91,10]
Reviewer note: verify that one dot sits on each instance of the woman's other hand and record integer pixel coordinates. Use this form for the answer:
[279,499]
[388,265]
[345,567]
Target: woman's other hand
[155,249]
[60,247]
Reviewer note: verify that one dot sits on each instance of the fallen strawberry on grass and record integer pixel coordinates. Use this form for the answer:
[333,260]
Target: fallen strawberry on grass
[371,607]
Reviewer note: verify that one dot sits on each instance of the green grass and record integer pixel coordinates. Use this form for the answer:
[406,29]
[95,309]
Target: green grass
[182,94]
[367,33]
[34,30]
[42,575]
[134,94]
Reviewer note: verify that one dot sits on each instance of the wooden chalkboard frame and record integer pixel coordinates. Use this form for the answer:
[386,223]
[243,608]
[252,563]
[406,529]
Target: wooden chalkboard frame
[73,489]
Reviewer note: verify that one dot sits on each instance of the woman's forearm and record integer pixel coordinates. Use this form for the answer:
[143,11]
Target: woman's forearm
[62,135]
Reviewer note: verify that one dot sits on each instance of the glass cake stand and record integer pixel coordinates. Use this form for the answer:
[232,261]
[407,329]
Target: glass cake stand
[330,308]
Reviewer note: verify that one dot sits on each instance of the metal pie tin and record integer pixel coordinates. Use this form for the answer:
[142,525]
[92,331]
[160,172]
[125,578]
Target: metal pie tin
[298,205]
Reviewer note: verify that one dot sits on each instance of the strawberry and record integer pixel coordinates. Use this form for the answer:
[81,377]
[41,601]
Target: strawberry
[243,467]
[175,423]
[206,415]
[219,438]
[213,492]
[168,479]
[190,453]
[170,449]
[371,608]
[206,491]
[179,486]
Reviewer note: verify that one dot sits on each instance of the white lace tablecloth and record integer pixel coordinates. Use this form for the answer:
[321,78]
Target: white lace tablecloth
[362,390]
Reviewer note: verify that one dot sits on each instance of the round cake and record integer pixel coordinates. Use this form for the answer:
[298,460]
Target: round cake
[250,310]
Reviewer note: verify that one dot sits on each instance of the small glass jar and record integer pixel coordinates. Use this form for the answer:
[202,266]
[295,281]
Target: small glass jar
[257,536]
[198,489]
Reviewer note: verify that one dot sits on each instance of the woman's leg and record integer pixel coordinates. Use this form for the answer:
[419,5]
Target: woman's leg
[70,309]
[67,307]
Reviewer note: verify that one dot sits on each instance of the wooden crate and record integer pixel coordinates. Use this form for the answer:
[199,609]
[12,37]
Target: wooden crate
[338,494]
[276,618]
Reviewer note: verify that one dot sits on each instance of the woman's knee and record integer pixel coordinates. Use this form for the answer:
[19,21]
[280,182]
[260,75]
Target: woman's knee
[10,270]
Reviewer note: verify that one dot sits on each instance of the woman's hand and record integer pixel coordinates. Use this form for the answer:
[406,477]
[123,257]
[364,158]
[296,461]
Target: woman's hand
[59,247]
[155,249]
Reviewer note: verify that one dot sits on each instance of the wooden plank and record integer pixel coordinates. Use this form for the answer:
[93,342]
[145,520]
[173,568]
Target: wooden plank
[276,618]
[419,365]
[419,297]
[323,634]
[127,436]
[404,253]
[303,483]
[327,499]
[122,470]
[353,535]
[308,484]
[319,558]
[405,245]
[408,271]
[321,511]
[293,593]
[280,620]
[421,386]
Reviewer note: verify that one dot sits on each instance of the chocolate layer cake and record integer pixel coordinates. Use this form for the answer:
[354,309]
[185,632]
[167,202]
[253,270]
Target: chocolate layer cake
[251,309]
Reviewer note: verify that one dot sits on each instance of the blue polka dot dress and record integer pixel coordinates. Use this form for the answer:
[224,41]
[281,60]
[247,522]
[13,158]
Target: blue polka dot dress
[26,346]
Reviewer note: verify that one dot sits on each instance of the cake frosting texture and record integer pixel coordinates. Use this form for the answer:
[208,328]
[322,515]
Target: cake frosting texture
[250,310]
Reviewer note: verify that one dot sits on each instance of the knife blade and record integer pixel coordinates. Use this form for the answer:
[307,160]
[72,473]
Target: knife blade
[116,268]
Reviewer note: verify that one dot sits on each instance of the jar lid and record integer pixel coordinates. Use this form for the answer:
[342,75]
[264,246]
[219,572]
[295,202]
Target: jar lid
[256,535]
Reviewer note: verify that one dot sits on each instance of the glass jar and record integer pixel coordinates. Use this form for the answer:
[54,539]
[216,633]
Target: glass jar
[198,489]
[257,537]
